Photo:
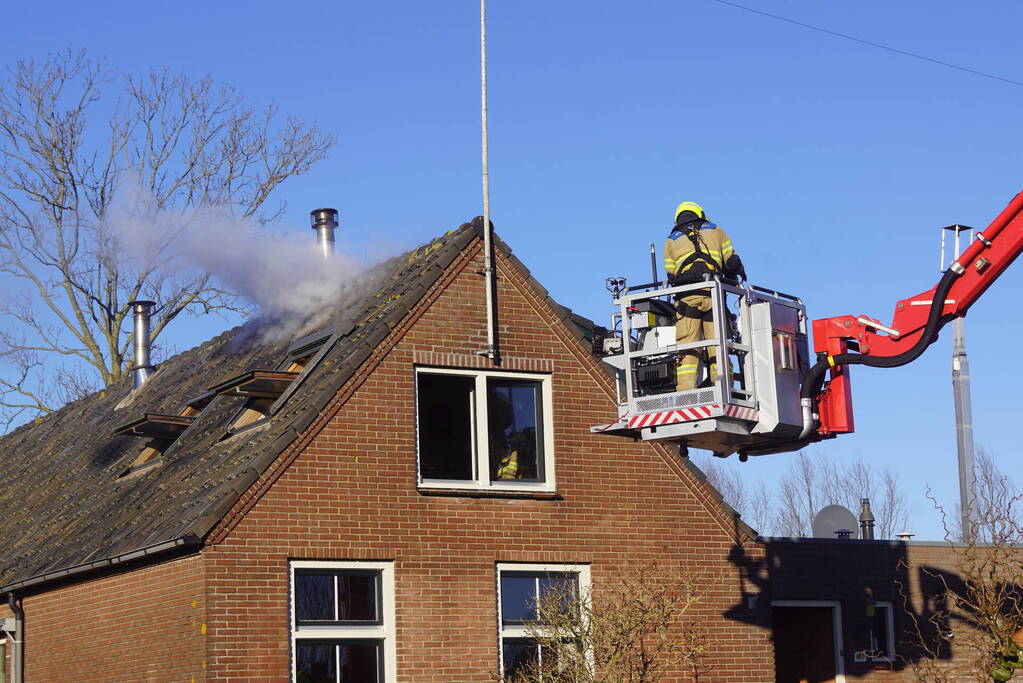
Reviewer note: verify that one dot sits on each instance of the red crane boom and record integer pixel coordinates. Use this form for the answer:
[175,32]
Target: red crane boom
[846,340]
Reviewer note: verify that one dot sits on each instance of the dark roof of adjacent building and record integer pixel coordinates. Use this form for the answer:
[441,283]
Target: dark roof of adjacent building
[70,508]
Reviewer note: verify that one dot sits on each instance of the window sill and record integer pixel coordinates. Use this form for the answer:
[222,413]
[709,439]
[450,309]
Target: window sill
[488,493]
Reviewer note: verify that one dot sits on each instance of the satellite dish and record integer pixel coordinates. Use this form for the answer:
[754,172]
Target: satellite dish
[832,519]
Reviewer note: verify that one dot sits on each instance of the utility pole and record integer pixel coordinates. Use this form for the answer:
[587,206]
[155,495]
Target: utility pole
[963,402]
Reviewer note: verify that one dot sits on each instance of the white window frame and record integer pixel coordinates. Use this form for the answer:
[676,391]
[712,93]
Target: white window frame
[582,571]
[889,626]
[481,444]
[384,631]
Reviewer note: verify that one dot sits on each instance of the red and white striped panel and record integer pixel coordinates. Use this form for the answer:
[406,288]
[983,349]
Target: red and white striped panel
[742,413]
[667,417]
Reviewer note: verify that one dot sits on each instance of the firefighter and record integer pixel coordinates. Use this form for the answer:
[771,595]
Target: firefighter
[695,251]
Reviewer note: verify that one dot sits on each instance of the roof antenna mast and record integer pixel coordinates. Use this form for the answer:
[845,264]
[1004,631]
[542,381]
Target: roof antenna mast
[491,351]
[963,402]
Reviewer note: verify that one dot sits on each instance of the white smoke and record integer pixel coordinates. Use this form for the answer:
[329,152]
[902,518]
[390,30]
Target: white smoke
[287,279]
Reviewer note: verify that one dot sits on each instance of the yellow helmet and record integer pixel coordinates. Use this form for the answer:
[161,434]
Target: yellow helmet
[689,206]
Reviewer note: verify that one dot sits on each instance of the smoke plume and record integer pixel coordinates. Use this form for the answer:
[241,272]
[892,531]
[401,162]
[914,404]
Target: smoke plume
[286,279]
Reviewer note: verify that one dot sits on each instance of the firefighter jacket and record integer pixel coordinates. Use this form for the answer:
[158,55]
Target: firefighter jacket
[699,248]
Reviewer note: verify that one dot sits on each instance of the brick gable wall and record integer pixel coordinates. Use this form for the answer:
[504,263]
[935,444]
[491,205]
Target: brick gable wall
[350,492]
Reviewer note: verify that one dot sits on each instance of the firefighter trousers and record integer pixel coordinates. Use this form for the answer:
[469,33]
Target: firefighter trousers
[695,323]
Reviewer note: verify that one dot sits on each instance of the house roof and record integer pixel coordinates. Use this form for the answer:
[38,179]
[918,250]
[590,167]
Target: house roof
[69,507]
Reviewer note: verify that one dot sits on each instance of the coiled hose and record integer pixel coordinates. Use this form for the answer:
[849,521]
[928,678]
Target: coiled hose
[814,379]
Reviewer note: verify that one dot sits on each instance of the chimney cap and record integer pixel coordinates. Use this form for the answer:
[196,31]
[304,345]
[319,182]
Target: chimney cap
[866,515]
[325,216]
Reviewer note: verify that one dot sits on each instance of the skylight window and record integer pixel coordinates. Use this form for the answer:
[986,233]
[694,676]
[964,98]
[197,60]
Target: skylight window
[161,430]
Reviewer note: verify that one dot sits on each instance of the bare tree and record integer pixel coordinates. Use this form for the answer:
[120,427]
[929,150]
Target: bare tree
[809,484]
[639,628]
[814,482]
[976,611]
[752,503]
[72,129]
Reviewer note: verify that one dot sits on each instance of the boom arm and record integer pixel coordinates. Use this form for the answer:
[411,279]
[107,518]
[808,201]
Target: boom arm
[848,340]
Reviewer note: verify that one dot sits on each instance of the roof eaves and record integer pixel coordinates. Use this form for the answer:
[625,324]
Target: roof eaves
[181,543]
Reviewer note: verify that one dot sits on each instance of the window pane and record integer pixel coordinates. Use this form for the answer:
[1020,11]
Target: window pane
[357,597]
[519,592]
[879,645]
[317,663]
[445,426]
[360,661]
[357,661]
[518,597]
[516,655]
[563,587]
[514,425]
[314,596]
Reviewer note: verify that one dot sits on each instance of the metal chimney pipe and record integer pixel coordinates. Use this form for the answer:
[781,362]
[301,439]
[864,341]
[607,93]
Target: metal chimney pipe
[141,370]
[866,520]
[324,223]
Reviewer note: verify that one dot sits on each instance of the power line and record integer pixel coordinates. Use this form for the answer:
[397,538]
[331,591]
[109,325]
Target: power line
[862,41]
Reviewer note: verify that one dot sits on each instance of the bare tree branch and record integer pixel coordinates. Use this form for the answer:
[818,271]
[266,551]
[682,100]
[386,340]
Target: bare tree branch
[191,143]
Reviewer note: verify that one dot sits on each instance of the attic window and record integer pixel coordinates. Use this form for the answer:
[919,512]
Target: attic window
[304,350]
[256,384]
[156,426]
[254,411]
[261,387]
[298,364]
[161,430]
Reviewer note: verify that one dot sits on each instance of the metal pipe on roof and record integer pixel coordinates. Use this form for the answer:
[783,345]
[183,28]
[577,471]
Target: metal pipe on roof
[325,222]
[866,520]
[141,370]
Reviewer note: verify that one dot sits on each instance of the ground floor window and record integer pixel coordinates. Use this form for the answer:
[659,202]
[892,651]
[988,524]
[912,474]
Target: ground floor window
[881,631]
[342,622]
[520,588]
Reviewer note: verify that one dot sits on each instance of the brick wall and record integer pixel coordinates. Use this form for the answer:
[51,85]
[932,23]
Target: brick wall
[350,493]
[144,625]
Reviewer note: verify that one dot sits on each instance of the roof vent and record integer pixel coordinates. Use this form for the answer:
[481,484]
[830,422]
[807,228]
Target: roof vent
[141,371]
[324,223]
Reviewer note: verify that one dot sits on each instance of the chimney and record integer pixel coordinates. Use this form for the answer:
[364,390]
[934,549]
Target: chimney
[324,223]
[141,371]
[866,520]
[904,536]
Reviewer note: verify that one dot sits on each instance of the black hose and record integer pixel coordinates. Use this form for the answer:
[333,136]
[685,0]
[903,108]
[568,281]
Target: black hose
[814,379]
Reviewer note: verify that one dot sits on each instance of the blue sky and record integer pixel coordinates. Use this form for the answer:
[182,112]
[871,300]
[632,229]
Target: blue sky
[831,163]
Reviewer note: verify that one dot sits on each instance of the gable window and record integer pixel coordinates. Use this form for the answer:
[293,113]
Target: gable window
[521,587]
[342,621]
[484,429]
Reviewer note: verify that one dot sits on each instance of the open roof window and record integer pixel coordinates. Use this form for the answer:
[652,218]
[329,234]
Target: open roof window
[161,430]
[303,351]
[261,387]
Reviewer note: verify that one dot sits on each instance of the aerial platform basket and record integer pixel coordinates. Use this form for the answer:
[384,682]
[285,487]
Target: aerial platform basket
[751,407]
